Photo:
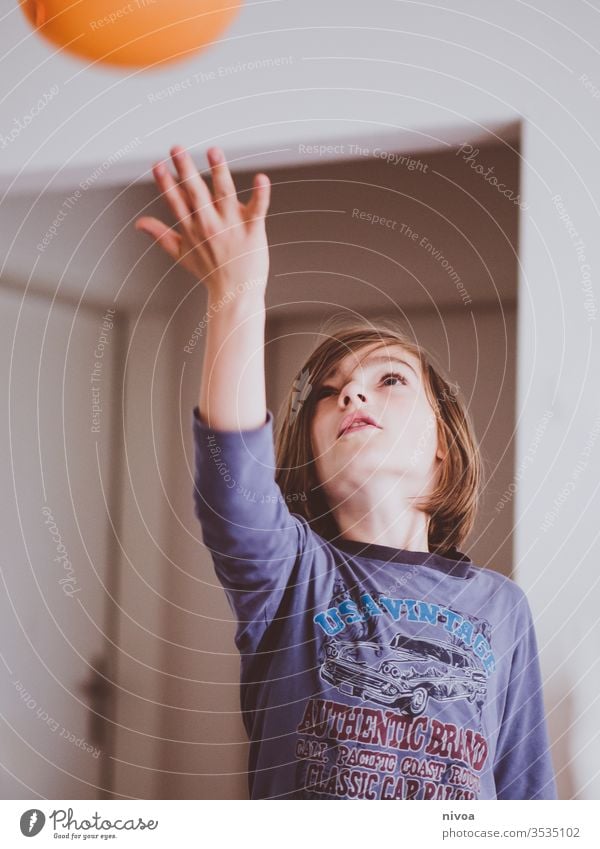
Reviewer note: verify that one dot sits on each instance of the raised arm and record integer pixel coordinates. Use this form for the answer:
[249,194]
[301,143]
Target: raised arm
[258,546]
[223,243]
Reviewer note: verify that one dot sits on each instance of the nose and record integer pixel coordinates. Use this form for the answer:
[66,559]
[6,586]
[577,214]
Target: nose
[353,392]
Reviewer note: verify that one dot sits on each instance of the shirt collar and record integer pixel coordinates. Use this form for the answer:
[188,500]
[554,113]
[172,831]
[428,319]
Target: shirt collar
[455,563]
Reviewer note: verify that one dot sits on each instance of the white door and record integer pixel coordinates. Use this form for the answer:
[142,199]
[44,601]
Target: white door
[57,559]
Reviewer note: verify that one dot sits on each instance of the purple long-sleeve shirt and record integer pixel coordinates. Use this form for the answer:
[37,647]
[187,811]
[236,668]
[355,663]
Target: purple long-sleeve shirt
[366,671]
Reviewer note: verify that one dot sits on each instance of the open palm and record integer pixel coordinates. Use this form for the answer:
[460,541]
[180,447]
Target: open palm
[218,239]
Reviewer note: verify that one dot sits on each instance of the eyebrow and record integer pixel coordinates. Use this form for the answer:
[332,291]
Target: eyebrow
[380,359]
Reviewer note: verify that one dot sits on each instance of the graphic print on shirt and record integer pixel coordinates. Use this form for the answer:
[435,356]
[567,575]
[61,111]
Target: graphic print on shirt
[418,674]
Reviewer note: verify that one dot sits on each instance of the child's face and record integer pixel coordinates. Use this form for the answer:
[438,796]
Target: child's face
[403,444]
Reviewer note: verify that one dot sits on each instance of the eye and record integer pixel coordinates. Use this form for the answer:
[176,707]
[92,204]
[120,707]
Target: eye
[395,376]
[324,391]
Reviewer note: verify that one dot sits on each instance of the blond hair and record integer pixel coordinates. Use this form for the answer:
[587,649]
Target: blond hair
[453,504]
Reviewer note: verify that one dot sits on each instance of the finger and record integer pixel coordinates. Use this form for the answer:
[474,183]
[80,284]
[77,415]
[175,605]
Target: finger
[166,237]
[224,191]
[199,196]
[257,206]
[175,197]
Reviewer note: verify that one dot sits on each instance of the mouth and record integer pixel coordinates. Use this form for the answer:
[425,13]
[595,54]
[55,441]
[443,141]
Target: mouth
[356,421]
[354,428]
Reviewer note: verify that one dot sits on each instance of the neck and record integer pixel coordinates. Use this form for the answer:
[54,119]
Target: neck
[383,519]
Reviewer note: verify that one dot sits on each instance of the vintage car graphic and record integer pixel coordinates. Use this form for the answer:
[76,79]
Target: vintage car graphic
[406,673]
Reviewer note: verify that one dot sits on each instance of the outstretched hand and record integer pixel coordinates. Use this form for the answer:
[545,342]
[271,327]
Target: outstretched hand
[218,239]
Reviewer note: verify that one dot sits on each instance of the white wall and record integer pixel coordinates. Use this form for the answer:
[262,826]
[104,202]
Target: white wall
[99,111]
[57,560]
[558,370]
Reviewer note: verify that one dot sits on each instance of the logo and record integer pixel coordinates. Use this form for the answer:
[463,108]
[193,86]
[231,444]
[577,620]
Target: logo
[32,822]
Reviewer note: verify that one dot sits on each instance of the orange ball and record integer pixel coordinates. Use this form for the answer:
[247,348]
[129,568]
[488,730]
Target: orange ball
[130,33]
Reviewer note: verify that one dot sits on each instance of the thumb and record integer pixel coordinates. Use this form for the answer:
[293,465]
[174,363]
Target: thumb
[167,238]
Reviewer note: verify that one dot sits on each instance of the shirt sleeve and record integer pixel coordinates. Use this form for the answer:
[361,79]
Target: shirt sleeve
[254,539]
[523,765]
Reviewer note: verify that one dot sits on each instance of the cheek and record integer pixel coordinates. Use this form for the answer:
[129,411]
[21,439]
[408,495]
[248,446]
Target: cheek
[428,428]
[431,436]
[316,438]
[419,436]
[317,451]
